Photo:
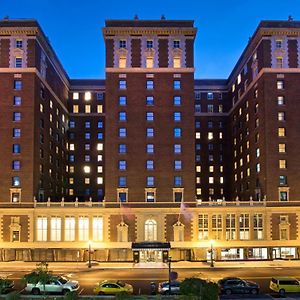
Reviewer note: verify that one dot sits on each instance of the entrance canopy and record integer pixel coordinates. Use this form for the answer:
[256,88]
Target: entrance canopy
[151,246]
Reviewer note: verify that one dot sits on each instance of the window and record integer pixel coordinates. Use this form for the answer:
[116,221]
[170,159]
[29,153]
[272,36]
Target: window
[122,181]
[122,132]
[19,44]
[177,181]
[217,226]
[55,234]
[87,169]
[210,135]
[230,227]
[17,84]
[150,132]
[278,44]
[282,164]
[176,84]
[16,148]
[198,108]
[97,229]
[150,230]
[149,85]
[149,116]
[283,196]
[177,116]
[280,84]
[281,148]
[177,165]
[280,100]
[87,146]
[122,196]
[122,116]
[279,62]
[210,108]
[16,116]
[122,84]
[150,148]
[122,62]
[149,62]
[177,132]
[69,229]
[87,157]
[87,109]
[282,180]
[150,181]
[258,226]
[18,62]
[176,62]
[83,228]
[87,135]
[150,196]
[75,109]
[41,226]
[16,165]
[16,181]
[177,149]
[150,100]
[100,96]
[244,227]
[150,165]
[122,43]
[149,44]
[87,124]
[122,100]
[258,167]
[122,165]
[210,96]
[177,100]
[99,124]
[281,131]
[122,148]
[75,96]
[281,116]
[17,101]
[197,124]
[203,227]
[176,44]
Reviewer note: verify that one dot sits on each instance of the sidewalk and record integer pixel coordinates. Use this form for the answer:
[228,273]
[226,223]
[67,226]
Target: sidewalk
[72,266]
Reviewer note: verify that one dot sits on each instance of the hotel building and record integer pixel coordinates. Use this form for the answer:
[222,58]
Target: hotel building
[149,162]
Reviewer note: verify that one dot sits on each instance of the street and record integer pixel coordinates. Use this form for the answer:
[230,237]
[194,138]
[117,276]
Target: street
[141,278]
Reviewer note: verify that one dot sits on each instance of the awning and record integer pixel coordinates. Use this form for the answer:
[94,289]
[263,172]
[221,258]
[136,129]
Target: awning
[151,246]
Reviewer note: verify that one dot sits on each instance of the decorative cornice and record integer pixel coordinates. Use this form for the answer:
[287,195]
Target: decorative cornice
[19,30]
[147,31]
[149,70]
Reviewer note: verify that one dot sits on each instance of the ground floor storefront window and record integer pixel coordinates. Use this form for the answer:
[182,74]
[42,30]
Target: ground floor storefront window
[258,253]
[232,254]
[284,253]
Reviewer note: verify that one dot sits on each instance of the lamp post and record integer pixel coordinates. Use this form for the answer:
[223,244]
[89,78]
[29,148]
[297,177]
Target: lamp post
[90,253]
[169,264]
[212,253]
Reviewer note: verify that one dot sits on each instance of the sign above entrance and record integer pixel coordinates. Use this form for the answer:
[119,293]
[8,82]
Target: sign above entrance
[151,245]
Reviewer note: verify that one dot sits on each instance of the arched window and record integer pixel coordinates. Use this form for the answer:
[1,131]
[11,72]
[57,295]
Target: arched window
[150,230]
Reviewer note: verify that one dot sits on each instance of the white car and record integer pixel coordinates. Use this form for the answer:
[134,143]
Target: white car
[57,284]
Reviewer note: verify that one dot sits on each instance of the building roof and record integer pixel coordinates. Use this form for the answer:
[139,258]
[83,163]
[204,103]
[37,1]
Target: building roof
[6,22]
[213,82]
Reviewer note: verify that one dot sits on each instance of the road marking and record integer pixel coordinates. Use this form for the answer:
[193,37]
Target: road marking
[81,291]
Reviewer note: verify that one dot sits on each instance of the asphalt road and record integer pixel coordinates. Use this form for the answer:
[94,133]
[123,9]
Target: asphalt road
[141,278]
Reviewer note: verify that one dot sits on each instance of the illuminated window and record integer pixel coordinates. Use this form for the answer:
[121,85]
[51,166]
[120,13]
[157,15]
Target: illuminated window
[210,135]
[230,227]
[150,100]
[239,79]
[122,116]
[122,62]
[177,164]
[72,147]
[279,62]
[122,84]
[257,167]
[282,148]
[99,109]
[97,229]
[198,135]
[87,109]
[69,229]
[55,224]
[280,100]
[281,131]
[177,116]
[176,85]
[99,180]
[281,116]
[177,148]
[202,225]
[150,230]
[280,85]
[122,132]
[177,100]
[87,96]
[83,228]
[282,164]
[41,229]
[244,226]
[210,180]
[176,62]
[149,84]
[75,109]
[149,62]
[177,132]
[75,96]
[99,146]
[122,100]
[87,169]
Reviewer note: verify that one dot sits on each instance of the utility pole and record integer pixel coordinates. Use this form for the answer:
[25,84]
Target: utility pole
[169,261]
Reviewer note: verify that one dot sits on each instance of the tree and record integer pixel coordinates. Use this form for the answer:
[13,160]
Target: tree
[5,285]
[196,288]
[40,275]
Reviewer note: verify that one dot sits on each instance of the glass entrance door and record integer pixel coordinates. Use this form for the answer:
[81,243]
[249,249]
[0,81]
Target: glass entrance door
[150,255]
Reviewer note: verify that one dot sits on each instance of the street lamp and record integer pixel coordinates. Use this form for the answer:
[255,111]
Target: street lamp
[90,253]
[169,264]
[212,253]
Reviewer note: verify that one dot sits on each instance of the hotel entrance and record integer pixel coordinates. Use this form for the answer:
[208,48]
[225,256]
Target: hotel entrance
[150,252]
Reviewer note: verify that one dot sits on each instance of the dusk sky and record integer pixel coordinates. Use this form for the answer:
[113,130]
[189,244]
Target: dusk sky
[74,27]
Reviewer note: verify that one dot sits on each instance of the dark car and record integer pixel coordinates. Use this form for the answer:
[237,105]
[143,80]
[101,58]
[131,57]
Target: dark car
[163,288]
[234,285]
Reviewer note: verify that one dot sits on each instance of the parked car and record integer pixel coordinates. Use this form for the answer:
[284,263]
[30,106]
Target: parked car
[6,285]
[235,285]
[284,285]
[112,287]
[57,284]
[163,288]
